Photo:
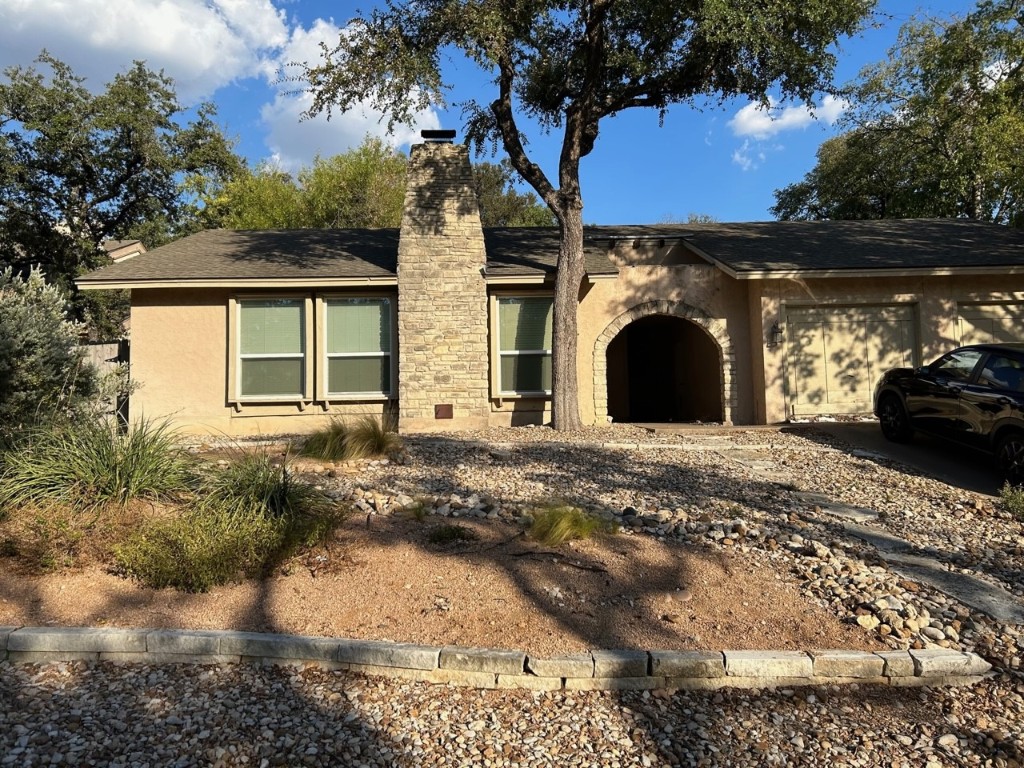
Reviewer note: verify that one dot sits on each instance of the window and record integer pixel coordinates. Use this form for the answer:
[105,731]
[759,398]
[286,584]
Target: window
[357,346]
[524,344]
[1003,372]
[958,365]
[271,348]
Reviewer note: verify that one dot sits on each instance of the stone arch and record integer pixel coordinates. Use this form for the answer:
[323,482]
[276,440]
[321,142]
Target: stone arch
[713,327]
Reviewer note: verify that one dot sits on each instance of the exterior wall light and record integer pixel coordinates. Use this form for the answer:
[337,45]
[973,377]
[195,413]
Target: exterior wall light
[775,335]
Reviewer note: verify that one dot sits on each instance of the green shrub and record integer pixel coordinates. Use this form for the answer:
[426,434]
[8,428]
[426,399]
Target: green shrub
[339,441]
[43,374]
[556,523]
[246,519]
[1012,499]
[199,549]
[92,464]
[450,534]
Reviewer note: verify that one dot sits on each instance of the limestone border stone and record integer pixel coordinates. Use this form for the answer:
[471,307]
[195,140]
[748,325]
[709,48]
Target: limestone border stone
[606,670]
[714,327]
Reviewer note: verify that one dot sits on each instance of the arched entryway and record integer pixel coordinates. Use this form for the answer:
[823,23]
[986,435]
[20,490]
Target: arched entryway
[664,369]
[664,361]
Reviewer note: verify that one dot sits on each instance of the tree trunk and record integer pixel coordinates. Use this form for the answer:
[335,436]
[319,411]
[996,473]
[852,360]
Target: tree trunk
[565,398]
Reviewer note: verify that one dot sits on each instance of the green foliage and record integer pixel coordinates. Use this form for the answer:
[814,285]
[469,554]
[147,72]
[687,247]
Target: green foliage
[253,483]
[451,534]
[246,520]
[556,523]
[91,465]
[362,188]
[501,205]
[340,441]
[43,375]
[1012,500]
[198,550]
[77,168]
[933,131]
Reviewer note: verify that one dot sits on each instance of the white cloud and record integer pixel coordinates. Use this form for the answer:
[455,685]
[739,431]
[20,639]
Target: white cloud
[206,46]
[294,142]
[755,121]
[203,44]
[748,156]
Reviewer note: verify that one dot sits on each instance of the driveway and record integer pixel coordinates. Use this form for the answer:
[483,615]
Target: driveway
[944,461]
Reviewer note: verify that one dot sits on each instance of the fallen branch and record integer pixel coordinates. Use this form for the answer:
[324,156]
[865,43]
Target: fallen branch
[560,560]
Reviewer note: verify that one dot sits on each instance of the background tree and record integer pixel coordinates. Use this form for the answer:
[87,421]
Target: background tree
[936,130]
[361,188]
[77,169]
[569,64]
[501,205]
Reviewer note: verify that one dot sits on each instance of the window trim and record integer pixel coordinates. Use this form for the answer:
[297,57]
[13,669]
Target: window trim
[235,396]
[497,393]
[323,356]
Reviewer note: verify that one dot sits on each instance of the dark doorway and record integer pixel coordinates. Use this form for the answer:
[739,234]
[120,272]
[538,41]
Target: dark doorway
[664,369]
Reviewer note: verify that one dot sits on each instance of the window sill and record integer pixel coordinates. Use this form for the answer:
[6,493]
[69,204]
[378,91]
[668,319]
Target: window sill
[367,397]
[521,396]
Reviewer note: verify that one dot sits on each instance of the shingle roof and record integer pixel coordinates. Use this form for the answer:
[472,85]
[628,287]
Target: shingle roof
[222,254]
[757,247]
[524,251]
[890,244]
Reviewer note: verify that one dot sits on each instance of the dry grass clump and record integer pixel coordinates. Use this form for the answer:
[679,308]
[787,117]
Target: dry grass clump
[368,437]
[556,523]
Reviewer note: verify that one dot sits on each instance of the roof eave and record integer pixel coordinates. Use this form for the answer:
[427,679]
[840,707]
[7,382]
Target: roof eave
[783,274]
[235,282]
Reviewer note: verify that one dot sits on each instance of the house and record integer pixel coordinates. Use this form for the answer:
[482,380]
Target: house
[449,326]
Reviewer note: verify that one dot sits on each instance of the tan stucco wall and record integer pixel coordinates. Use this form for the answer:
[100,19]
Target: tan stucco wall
[179,364]
[935,301]
[180,356]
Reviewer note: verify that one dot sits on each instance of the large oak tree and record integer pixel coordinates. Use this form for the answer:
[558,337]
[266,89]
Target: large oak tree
[568,65]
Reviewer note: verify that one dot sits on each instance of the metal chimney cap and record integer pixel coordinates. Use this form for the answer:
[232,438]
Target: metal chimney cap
[443,136]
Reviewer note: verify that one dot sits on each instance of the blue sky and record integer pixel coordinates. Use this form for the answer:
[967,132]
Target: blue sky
[724,162]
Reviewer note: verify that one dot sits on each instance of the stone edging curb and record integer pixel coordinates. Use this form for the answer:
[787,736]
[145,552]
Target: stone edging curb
[485,668]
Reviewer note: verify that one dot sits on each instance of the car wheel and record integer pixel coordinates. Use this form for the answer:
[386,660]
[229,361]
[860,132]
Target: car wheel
[892,415]
[1010,457]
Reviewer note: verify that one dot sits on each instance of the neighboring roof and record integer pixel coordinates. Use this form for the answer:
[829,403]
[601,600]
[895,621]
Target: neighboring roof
[778,248]
[746,250]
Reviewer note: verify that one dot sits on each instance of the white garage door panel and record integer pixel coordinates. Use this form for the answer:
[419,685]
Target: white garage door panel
[836,354]
[991,323]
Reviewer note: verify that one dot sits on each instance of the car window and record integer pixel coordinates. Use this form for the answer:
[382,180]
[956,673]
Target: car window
[1002,372]
[957,365]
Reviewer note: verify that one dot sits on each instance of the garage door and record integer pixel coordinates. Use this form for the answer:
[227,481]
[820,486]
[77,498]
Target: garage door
[991,323]
[834,355]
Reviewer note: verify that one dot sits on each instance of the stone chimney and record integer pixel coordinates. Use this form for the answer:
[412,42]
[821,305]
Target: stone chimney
[442,296]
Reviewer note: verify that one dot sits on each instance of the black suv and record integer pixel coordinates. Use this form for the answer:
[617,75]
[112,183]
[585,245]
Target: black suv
[973,395]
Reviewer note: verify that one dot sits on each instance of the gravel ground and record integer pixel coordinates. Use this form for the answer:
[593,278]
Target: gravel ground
[108,715]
